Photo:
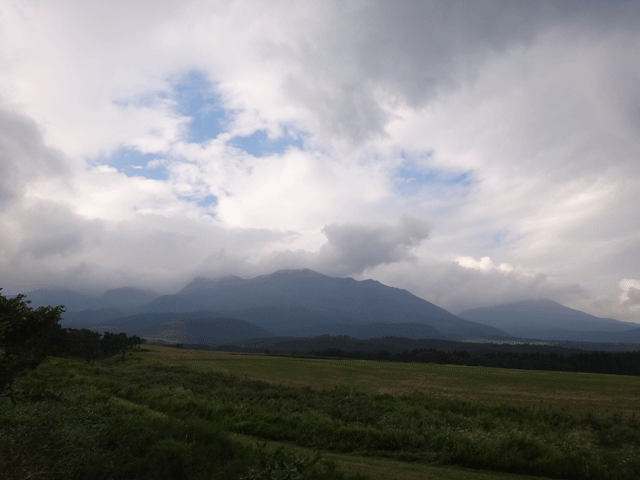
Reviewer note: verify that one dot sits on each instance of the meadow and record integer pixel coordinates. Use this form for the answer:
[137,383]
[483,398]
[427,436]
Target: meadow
[599,393]
[196,414]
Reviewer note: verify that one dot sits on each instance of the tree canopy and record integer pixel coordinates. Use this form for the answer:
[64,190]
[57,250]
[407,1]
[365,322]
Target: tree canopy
[27,336]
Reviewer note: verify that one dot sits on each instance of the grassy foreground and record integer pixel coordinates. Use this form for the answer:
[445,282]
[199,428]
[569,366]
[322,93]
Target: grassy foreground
[168,413]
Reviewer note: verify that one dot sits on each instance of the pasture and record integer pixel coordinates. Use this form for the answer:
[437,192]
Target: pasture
[166,409]
[580,392]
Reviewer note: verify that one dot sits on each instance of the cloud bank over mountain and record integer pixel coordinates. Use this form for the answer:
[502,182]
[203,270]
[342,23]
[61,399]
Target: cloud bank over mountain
[472,153]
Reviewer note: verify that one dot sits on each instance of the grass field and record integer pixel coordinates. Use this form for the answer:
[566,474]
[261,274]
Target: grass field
[538,389]
[199,415]
[388,469]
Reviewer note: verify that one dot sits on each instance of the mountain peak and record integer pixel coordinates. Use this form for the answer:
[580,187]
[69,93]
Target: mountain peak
[293,272]
[544,319]
[538,303]
[200,282]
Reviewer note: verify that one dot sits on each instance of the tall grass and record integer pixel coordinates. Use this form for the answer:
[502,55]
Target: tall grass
[550,442]
[74,422]
[126,419]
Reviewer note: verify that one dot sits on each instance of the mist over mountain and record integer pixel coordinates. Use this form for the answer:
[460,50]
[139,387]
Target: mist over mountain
[192,328]
[298,299]
[304,303]
[549,320]
[114,301]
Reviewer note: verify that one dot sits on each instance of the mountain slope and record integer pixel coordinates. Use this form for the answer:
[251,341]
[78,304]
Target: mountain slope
[546,319]
[289,299]
[124,299]
[373,330]
[190,327]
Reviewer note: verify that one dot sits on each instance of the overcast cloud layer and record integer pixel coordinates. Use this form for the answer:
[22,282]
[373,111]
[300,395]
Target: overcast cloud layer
[472,152]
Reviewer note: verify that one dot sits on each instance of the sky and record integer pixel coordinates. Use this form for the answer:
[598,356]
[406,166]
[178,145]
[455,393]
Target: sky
[473,153]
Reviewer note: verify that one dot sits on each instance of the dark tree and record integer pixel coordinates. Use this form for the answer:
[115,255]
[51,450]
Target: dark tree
[27,336]
[113,343]
[84,343]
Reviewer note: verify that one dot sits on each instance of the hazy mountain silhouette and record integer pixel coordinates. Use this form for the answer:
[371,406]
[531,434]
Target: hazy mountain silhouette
[549,320]
[368,331]
[126,299]
[190,327]
[73,301]
[304,303]
[85,318]
[297,299]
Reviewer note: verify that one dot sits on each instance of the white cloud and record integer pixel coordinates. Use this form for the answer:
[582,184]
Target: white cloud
[531,107]
[630,296]
[484,264]
[456,287]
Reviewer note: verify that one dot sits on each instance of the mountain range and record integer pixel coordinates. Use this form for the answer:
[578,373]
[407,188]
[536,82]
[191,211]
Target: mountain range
[293,300]
[304,303]
[549,320]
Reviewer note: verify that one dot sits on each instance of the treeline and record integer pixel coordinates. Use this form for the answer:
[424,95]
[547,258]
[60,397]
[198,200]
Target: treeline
[618,363]
[28,335]
[91,345]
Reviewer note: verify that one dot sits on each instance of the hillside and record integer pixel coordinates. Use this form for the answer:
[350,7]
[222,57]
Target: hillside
[190,327]
[549,320]
[112,302]
[298,299]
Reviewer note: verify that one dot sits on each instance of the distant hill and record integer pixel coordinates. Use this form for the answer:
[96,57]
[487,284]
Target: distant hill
[369,331]
[298,299]
[208,332]
[549,320]
[288,345]
[86,318]
[304,303]
[125,300]
[73,301]
[190,327]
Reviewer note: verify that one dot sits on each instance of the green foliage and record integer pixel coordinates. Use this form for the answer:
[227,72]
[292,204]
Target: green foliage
[27,336]
[84,343]
[89,431]
[112,343]
[135,419]
[282,466]
[550,442]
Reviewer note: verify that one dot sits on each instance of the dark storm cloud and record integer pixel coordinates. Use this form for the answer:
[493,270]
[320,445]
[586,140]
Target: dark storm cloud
[50,229]
[417,49]
[23,156]
[633,298]
[352,248]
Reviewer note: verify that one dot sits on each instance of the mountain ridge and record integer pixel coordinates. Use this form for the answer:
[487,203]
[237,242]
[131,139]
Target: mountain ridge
[548,320]
[288,299]
[305,302]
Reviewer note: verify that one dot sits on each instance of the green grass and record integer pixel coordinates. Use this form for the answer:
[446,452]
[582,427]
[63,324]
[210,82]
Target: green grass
[390,469]
[537,389]
[190,414]
[67,425]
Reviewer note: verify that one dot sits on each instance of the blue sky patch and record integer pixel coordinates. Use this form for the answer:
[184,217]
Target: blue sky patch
[411,180]
[196,99]
[209,200]
[496,240]
[258,144]
[134,164]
